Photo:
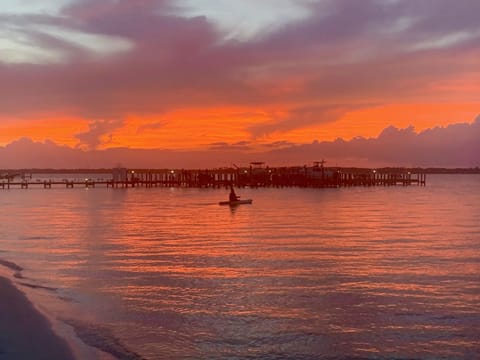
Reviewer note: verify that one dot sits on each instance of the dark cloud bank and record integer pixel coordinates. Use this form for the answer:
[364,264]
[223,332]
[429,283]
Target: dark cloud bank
[359,51]
[453,146]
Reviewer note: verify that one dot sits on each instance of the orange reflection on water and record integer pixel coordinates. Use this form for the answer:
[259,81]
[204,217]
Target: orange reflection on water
[370,269]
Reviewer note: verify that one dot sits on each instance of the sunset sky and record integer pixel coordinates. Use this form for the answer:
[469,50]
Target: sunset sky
[195,74]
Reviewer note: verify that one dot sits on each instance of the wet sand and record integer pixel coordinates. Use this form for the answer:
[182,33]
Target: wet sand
[24,332]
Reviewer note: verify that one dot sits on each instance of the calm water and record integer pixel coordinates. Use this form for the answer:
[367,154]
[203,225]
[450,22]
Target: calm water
[371,273]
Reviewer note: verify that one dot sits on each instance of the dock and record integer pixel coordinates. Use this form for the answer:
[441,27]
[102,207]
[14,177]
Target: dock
[256,175]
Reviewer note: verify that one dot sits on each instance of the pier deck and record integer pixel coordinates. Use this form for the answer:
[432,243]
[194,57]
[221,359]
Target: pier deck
[313,177]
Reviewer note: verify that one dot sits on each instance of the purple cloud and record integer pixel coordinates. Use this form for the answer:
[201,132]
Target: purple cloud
[303,117]
[92,138]
[238,146]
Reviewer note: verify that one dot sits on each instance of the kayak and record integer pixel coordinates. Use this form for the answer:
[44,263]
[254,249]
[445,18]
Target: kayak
[233,203]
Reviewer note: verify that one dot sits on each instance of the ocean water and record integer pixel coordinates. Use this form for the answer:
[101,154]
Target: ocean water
[160,273]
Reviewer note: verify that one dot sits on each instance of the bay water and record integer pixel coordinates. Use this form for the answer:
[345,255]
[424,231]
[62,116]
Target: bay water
[167,273]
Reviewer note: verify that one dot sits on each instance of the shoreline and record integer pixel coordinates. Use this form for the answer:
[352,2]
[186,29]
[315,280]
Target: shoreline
[25,333]
[28,331]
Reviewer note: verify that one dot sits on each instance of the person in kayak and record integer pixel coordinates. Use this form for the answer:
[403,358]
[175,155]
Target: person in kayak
[233,196]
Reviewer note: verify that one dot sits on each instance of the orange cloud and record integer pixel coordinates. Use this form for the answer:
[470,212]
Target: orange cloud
[191,128]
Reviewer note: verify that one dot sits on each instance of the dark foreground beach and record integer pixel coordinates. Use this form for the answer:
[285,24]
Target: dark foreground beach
[24,332]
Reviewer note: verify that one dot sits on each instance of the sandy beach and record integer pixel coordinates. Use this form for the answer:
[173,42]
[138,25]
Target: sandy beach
[24,332]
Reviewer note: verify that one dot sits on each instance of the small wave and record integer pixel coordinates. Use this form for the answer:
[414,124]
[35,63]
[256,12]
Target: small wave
[35,238]
[67,299]
[34,286]
[10,265]
[102,338]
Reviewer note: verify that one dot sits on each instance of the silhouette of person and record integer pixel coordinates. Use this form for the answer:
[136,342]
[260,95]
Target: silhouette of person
[233,196]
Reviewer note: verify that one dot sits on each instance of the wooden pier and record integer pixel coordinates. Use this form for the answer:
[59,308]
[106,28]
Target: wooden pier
[254,176]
